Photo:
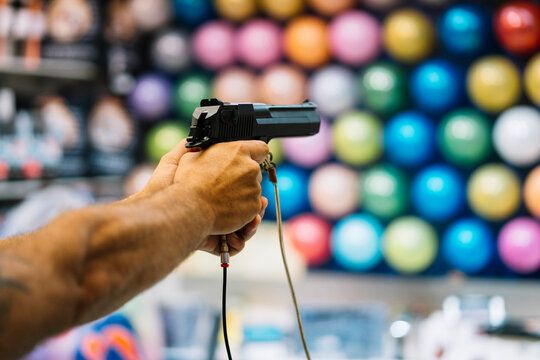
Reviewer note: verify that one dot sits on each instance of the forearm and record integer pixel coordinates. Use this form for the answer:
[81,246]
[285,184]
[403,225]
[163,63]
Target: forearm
[89,262]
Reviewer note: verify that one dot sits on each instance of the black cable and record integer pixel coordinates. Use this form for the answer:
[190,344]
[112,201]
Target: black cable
[224,313]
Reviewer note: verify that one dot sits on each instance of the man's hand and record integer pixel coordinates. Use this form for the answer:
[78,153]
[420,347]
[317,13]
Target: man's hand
[165,175]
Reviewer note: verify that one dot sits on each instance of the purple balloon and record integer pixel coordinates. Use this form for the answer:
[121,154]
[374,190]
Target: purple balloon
[310,151]
[519,245]
[355,37]
[151,97]
[213,44]
[258,43]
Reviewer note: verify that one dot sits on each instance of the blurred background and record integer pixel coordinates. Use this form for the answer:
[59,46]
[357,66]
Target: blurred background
[412,217]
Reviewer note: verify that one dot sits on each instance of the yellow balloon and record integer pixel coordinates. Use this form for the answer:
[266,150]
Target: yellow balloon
[408,35]
[282,9]
[532,79]
[493,83]
[494,192]
[236,10]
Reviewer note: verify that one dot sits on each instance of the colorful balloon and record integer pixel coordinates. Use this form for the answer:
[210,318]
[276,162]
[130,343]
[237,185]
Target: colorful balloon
[258,43]
[357,138]
[437,86]
[310,235]
[519,245]
[170,51]
[191,12]
[188,92]
[151,97]
[384,191]
[438,193]
[282,9]
[310,151]
[493,83]
[333,190]
[408,35]
[305,41]
[162,138]
[333,89]
[381,5]
[532,79]
[467,245]
[355,37]
[276,149]
[465,29]
[236,10]
[464,137]
[331,7]
[384,87]
[517,26]
[531,192]
[137,178]
[494,192]
[213,44]
[409,139]
[293,184]
[148,16]
[356,242]
[516,135]
[235,84]
[409,244]
[282,84]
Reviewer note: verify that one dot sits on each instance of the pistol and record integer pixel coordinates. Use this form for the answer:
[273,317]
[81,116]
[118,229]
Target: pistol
[215,121]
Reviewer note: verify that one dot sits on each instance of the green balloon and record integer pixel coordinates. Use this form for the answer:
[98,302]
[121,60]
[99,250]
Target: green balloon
[357,138]
[465,137]
[163,137]
[384,87]
[384,190]
[277,151]
[189,91]
[409,245]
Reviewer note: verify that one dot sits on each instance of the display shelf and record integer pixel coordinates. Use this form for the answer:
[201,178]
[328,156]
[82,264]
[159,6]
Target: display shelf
[101,186]
[50,68]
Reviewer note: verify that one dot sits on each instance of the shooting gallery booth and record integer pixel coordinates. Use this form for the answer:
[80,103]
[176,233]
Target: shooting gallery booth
[411,219]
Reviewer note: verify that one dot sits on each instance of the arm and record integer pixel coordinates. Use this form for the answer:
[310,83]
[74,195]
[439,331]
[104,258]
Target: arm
[87,263]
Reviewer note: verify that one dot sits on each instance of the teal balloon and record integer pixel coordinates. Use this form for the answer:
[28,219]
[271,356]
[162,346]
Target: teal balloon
[189,91]
[383,86]
[384,190]
[464,137]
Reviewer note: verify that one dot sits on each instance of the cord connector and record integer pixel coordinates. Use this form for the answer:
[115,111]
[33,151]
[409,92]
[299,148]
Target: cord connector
[224,251]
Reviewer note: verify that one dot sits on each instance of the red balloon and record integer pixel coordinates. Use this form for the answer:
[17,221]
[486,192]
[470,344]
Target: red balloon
[310,235]
[517,26]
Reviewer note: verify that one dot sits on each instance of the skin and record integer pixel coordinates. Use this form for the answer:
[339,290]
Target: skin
[87,263]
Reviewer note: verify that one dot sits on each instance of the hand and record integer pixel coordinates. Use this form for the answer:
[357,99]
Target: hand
[164,176]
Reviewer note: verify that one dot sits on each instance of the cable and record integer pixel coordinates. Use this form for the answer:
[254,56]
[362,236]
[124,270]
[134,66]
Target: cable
[224,313]
[273,179]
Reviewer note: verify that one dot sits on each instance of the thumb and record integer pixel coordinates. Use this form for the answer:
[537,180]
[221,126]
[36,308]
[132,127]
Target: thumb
[164,174]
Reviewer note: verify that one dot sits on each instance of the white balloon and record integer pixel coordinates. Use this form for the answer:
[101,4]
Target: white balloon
[333,89]
[170,51]
[516,135]
[333,190]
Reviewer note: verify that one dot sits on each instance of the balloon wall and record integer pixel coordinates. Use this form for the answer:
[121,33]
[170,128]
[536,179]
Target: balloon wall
[428,156]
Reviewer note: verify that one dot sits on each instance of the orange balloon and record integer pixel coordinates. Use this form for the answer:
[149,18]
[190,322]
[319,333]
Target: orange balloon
[330,7]
[282,9]
[282,85]
[235,85]
[306,42]
[531,192]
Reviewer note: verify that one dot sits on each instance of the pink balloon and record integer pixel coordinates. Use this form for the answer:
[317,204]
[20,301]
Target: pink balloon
[213,44]
[310,235]
[519,245]
[355,37]
[258,43]
[310,151]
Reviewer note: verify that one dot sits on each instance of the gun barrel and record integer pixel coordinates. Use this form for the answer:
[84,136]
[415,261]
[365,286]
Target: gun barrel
[285,121]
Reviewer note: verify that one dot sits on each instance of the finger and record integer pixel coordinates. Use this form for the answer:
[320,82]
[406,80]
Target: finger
[250,229]
[258,150]
[173,157]
[259,176]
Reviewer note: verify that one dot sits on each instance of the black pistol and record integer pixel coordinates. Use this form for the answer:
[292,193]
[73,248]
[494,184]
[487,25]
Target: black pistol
[215,121]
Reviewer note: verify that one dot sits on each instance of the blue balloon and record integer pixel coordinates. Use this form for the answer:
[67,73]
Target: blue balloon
[293,192]
[357,241]
[409,139]
[465,29]
[192,12]
[437,86]
[468,245]
[438,192]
